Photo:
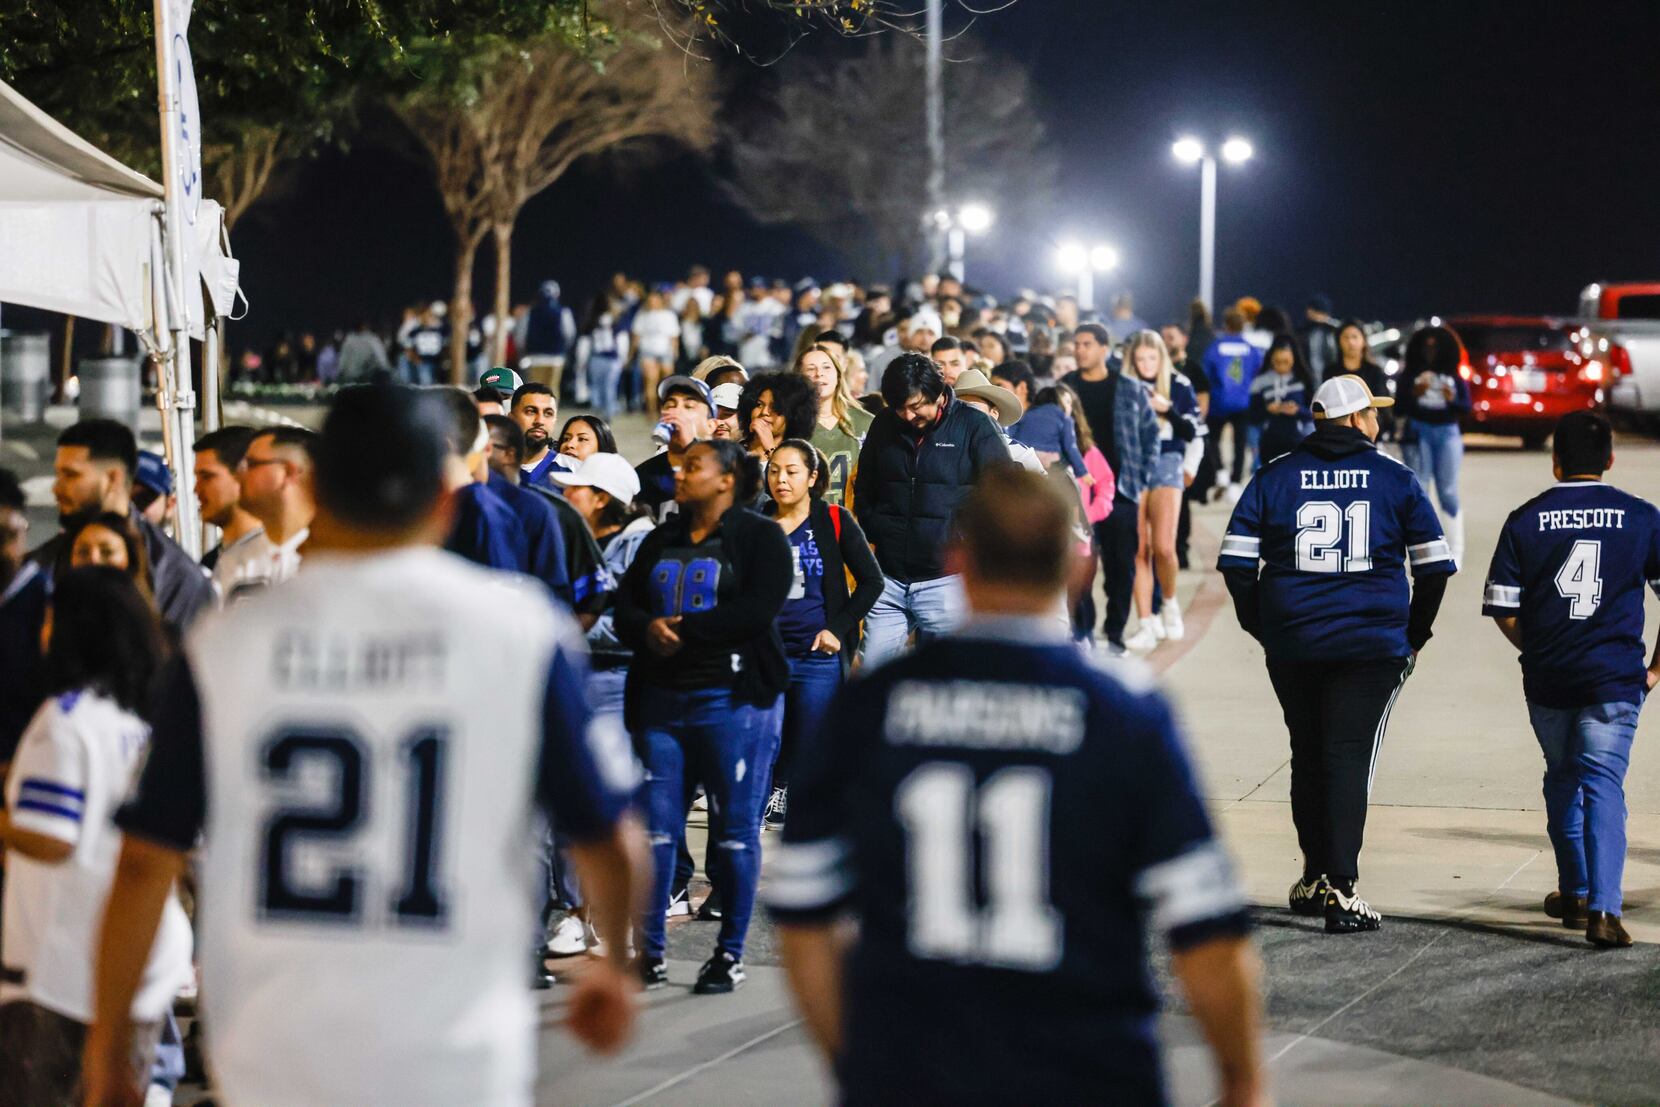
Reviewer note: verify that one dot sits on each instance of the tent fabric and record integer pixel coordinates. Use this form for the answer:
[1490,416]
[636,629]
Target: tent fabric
[79,230]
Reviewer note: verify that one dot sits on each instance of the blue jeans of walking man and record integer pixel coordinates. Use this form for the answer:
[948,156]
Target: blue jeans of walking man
[1587,751]
[929,607]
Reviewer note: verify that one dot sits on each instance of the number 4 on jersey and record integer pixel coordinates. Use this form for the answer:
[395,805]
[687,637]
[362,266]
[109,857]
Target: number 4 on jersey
[1579,581]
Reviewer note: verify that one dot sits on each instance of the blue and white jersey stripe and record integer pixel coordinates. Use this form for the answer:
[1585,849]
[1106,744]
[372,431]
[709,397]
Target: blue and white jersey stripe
[50,798]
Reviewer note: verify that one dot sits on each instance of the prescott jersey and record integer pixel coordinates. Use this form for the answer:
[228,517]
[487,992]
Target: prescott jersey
[360,751]
[1004,817]
[73,768]
[1571,563]
[1334,524]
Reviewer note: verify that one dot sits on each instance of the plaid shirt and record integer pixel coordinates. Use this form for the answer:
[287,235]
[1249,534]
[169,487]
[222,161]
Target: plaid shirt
[1136,434]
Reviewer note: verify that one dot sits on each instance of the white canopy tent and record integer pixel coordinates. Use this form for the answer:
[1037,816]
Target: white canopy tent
[82,234]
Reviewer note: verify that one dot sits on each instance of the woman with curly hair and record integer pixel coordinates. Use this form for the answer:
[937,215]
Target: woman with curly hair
[773,407]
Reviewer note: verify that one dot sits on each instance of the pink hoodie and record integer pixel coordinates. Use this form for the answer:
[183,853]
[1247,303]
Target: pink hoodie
[1098,497]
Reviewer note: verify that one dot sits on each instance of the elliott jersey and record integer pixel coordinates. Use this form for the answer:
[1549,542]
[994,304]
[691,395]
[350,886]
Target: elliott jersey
[1003,817]
[1334,532]
[1572,563]
[360,752]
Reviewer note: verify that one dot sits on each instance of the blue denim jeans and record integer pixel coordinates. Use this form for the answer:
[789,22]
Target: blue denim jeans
[707,735]
[815,678]
[604,370]
[1436,457]
[1587,751]
[929,607]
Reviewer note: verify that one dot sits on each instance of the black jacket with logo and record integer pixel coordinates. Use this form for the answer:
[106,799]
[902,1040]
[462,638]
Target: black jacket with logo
[908,484]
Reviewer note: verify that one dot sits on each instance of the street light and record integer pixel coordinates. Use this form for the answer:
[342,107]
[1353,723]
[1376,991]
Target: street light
[971,218]
[1085,262]
[1188,150]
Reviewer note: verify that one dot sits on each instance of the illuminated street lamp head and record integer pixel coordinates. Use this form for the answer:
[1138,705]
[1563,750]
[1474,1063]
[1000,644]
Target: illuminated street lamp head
[1073,258]
[1104,258]
[1236,150]
[975,218]
[1188,150]
[941,218]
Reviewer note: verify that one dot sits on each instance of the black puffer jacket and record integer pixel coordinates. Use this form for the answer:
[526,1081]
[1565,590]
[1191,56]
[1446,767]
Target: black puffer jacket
[908,485]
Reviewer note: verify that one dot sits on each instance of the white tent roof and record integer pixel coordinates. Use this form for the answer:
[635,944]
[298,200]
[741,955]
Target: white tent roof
[79,230]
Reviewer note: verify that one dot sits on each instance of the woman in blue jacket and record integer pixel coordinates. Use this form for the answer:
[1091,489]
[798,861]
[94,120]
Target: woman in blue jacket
[1433,398]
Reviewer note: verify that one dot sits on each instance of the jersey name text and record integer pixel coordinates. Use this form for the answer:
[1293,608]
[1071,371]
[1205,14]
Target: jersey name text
[303,660]
[1583,518]
[970,714]
[1325,479]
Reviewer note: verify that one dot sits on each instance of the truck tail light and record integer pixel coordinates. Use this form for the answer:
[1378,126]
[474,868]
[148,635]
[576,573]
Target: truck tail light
[1619,360]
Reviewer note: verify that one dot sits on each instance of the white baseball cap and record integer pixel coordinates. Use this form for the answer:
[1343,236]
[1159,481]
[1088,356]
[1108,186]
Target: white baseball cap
[727,395]
[1346,394]
[610,473]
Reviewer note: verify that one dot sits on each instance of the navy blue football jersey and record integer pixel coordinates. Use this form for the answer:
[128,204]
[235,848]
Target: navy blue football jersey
[1334,531]
[1571,563]
[1003,817]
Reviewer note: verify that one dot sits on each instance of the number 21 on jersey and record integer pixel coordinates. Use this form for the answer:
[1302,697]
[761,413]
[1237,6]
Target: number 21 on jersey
[1322,528]
[337,823]
[1004,823]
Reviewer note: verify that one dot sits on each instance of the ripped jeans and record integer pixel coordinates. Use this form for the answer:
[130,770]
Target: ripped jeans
[729,746]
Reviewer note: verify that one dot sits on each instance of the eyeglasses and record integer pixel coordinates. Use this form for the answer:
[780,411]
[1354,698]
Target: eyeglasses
[256,462]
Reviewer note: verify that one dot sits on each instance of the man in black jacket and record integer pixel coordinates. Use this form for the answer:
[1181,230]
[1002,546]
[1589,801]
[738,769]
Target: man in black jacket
[96,463]
[920,458]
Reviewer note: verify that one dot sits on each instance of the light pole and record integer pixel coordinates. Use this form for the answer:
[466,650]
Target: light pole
[1085,262]
[1187,150]
[958,224]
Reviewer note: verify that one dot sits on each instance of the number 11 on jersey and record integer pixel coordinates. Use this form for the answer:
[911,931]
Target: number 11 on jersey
[941,809]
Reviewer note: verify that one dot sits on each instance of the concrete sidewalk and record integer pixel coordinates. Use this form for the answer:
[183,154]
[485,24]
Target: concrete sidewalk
[1457,823]
[750,1048]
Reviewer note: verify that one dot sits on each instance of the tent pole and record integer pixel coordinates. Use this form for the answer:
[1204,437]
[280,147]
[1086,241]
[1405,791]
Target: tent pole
[175,396]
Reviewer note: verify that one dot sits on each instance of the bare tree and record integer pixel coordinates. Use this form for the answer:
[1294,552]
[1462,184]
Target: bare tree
[844,138]
[529,112]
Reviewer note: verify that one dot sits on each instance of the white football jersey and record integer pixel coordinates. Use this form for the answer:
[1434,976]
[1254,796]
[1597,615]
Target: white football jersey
[73,767]
[369,741]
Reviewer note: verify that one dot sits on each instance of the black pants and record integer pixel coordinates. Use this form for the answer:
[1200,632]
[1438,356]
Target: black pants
[1336,712]
[1213,444]
[1116,537]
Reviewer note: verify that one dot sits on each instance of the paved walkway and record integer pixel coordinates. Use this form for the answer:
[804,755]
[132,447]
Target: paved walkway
[1457,825]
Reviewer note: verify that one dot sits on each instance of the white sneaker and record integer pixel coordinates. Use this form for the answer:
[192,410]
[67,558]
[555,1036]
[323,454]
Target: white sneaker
[1234,492]
[1171,616]
[1144,639]
[568,937]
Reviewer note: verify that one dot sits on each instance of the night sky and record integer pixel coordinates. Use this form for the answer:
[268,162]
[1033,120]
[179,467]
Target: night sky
[1412,158]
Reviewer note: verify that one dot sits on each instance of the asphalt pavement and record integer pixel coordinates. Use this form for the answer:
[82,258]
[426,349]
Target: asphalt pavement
[1467,995]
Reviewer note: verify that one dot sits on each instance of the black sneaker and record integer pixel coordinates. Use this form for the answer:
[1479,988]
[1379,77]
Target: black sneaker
[1308,896]
[720,974]
[777,804]
[709,910]
[653,972]
[540,978]
[1347,913]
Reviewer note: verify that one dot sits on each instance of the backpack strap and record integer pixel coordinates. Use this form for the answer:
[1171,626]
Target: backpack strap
[836,521]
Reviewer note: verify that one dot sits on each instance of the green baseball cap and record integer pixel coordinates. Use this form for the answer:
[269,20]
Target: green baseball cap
[502,379]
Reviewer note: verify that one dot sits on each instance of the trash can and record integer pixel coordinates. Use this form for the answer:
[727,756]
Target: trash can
[110,389]
[25,375]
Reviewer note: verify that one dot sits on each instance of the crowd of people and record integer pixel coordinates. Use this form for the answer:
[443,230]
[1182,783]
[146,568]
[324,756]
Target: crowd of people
[923,487]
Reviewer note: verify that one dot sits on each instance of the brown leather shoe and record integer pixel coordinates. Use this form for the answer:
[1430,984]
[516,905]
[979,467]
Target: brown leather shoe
[1604,931]
[1570,909]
